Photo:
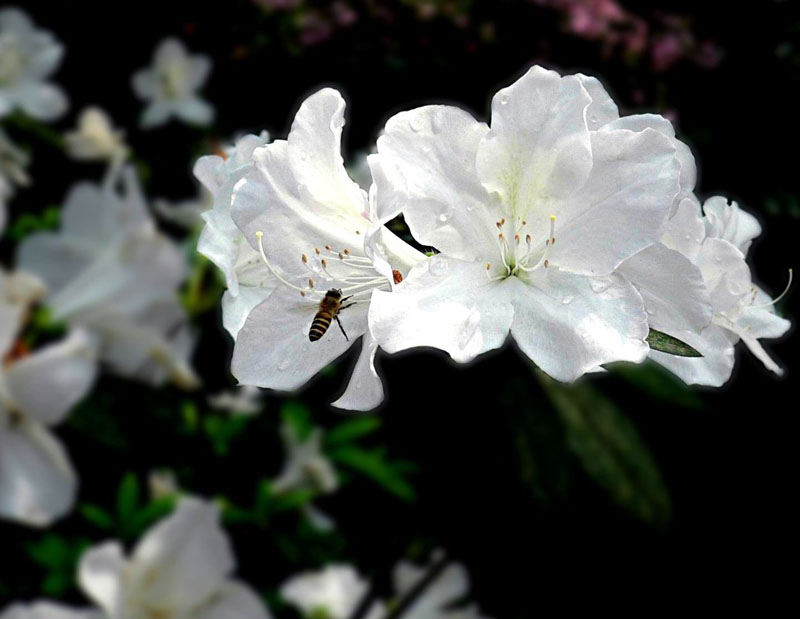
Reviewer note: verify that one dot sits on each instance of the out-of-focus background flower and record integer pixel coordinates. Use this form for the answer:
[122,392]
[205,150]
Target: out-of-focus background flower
[624,484]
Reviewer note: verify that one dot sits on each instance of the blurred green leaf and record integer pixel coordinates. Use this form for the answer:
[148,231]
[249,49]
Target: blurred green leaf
[373,465]
[670,345]
[222,430]
[352,429]
[610,450]
[97,516]
[293,499]
[59,557]
[128,497]
[658,383]
[26,224]
[299,417]
[152,512]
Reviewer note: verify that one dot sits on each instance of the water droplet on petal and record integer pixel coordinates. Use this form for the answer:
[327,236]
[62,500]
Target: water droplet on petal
[599,285]
[443,217]
[688,237]
[503,98]
[567,299]
[415,123]
[650,311]
[283,365]
[593,119]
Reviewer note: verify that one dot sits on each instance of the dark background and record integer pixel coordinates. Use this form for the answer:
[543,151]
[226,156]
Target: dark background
[729,458]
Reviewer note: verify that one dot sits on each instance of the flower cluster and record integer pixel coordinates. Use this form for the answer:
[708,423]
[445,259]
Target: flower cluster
[573,229]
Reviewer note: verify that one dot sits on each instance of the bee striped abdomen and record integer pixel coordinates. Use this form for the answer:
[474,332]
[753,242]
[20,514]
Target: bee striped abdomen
[320,325]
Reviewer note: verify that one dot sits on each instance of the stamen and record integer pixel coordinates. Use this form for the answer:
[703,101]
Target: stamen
[260,236]
[516,239]
[346,252]
[310,283]
[780,296]
[318,250]
[304,259]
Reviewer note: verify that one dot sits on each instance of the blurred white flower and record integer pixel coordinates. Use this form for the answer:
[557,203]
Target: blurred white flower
[239,401]
[28,56]
[181,569]
[95,138]
[171,84]
[109,269]
[553,166]
[311,225]
[433,602]
[48,610]
[13,162]
[37,391]
[162,483]
[187,214]
[333,592]
[712,248]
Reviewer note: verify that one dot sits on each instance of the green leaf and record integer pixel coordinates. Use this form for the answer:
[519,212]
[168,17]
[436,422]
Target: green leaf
[610,450]
[153,511]
[658,383]
[670,345]
[374,466]
[293,499]
[298,416]
[97,516]
[352,429]
[128,495]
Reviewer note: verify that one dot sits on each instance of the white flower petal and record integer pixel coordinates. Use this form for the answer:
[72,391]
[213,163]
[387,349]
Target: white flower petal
[538,145]
[156,114]
[622,207]
[602,110]
[37,481]
[445,303]
[100,574]
[42,101]
[569,324]
[48,610]
[236,308]
[426,168]
[47,384]
[673,289]
[314,151]
[727,221]
[234,601]
[337,589]
[195,110]
[183,560]
[365,389]
[273,350]
[713,369]
[685,231]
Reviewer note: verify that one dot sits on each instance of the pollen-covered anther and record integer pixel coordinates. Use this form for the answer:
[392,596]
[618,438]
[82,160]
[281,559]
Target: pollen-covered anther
[341,256]
[546,263]
[488,266]
[500,236]
[304,258]
[397,276]
[310,283]
[324,263]
[318,250]
[328,247]
[302,293]
[346,251]
[528,239]
[516,239]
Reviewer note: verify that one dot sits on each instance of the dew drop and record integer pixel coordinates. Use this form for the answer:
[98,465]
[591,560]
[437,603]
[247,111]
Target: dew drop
[503,98]
[593,119]
[599,285]
[443,217]
[567,299]
[283,365]
[650,311]
[415,123]
[688,237]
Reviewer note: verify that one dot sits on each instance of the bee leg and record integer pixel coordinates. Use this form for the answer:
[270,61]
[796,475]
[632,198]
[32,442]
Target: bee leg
[339,322]
[346,306]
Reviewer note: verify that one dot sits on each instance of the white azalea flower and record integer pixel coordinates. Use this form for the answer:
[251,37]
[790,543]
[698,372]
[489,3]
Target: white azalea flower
[48,610]
[180,569]
[13,162]
[240,401]
[315,230]
[37,391]
[221,241]
[532,216]
[28,56]
[95,138]
[111,271]
[171,86]
[434,601]
[333,592]
[711,251]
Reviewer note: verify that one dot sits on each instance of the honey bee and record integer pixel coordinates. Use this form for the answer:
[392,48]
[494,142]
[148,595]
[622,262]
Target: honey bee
[328,310]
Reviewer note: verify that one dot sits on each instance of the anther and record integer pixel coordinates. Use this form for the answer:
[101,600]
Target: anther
[516,239]
[324,263]
[310,283]
[318,250]
[305,259]
[546,263]
[500,236]
[488,266]
[346,252]
[328,247]
[528,239]
[302,293]
[341,256]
